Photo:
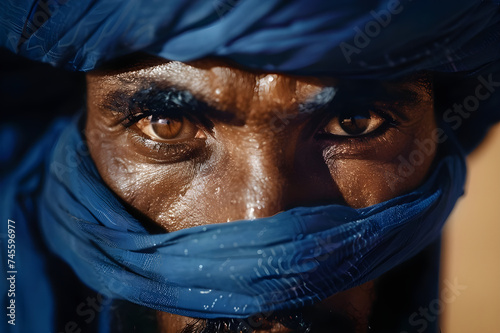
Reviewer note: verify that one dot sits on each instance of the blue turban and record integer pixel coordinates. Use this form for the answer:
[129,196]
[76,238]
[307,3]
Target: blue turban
[357,39]
[55,206]
[348,38]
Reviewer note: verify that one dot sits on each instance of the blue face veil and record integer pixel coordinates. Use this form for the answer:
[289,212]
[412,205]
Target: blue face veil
[286,261]
[236,269]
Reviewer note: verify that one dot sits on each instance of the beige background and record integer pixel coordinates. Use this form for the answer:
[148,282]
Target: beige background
[471,247]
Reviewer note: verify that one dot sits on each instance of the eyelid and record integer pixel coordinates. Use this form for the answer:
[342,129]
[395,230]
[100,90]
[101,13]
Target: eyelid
[389,121]
[335,127]
[134,118]
[386,113]
[169,102]
[161,152]
[188,130]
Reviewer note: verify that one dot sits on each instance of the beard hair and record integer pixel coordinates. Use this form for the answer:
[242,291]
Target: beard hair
[229,325]
[297,322]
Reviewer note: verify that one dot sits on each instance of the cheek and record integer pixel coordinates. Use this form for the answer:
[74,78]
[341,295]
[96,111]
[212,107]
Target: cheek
[401,166]
[150,188]
[365,183]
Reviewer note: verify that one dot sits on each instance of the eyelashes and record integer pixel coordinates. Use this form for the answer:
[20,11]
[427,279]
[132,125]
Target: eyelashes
[171,117]
[169,130]
[175,105]
[164,125]
[358,123]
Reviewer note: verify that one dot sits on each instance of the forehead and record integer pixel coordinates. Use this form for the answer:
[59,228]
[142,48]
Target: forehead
[218,83]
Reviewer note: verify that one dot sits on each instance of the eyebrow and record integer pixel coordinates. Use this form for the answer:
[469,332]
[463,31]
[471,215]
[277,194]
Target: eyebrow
[319,101]
[349,93]
[401,91]
[369,91]
[402,94]
[121,101]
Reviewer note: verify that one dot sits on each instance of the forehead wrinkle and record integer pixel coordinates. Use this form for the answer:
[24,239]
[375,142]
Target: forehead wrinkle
[285,96]
[272,94]
[106,83]
[231,89]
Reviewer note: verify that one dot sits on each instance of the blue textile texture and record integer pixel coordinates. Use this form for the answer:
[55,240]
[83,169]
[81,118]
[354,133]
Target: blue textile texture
[286,261]
[342,38]
[64,210]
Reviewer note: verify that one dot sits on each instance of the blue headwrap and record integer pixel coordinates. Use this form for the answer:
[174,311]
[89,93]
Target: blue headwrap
[314,37]
[234,269]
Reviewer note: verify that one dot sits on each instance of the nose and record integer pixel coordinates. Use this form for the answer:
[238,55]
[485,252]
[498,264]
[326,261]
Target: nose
[264,182]
[263,179]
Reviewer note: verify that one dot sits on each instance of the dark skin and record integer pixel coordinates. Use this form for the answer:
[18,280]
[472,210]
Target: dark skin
[263,143]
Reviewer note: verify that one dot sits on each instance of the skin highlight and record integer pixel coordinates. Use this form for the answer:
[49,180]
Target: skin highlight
[270,142]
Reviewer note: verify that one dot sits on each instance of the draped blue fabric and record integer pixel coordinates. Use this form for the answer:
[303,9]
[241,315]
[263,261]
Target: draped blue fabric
[236,269]
[349,38]
[63,208]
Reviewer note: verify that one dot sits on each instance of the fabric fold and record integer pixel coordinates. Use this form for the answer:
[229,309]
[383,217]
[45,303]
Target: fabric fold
[376,39]
[237,269]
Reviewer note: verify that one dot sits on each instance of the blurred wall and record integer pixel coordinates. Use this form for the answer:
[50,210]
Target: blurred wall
[471,248]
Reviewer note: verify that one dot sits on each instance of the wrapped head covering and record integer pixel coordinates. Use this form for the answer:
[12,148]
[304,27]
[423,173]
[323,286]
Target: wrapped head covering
[325,249]
[340,38]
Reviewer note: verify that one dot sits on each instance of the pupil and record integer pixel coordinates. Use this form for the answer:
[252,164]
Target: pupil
[355,124]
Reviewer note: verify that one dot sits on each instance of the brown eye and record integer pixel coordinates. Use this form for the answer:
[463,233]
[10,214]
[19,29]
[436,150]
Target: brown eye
[354,124]
[166,128]
[161,128]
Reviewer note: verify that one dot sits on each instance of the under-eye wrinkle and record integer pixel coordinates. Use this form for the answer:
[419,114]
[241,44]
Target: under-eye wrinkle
[162,152]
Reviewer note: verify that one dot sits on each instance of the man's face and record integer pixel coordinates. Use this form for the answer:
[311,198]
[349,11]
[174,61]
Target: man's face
[207,142]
